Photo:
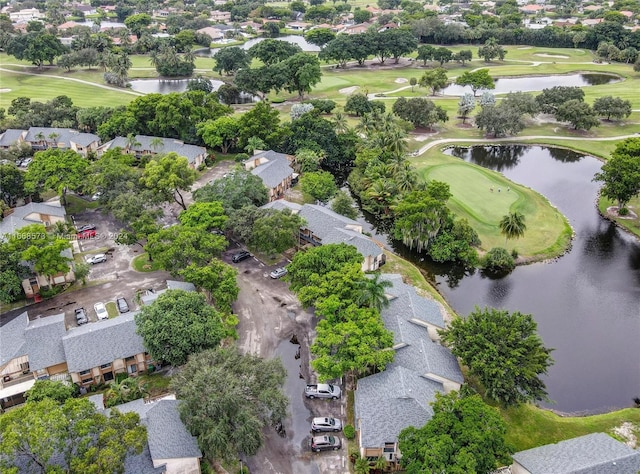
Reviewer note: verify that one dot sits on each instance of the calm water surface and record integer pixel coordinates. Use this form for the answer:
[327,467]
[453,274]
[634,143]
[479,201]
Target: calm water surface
[505,85]
[586,303]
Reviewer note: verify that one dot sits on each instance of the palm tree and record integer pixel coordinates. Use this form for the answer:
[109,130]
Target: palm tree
[156,143]
[54,136]
[512,226]
[340,123]
[40,137]
[132,142]
[124,391]
[371,292]
[253,144]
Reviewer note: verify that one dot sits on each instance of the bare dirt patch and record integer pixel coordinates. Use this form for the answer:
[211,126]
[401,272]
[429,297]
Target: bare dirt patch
[626,431]
[546,55]
[348,90]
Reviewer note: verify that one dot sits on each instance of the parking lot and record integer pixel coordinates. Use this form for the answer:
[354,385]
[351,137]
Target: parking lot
[270,315]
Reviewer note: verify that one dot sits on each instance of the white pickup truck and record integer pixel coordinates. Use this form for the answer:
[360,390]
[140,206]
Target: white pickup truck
[322,390]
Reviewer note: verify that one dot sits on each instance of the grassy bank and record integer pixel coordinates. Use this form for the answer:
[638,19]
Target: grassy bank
[483,197]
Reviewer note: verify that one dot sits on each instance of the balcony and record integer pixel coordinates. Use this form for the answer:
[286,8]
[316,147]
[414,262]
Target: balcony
[15,379]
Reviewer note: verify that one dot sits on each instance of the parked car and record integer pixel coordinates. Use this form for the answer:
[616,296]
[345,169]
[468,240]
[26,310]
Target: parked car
[322,390]
[326,424]
[82,228]
[278,273]
[325,443]
[97,258]
[26,162]
[81,316]
[86,234]
[96,196]
[101,311]
[123,307]
[240,256]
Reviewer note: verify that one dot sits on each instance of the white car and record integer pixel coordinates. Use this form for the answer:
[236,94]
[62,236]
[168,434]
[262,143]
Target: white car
[278,273]
[97,258]
[96,196]
[101,311]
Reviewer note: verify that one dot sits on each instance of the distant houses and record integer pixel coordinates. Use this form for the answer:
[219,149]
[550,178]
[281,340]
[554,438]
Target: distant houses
[42,138]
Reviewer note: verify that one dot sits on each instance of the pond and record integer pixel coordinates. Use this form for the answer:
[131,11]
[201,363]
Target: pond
[166,86]
[586,303]
[505,85]
[295,39]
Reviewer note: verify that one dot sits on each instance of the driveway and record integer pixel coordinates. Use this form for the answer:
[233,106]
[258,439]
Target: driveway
[269,316]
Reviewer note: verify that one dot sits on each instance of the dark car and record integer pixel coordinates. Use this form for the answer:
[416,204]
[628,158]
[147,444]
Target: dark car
[325,443]
[123,307]
[81,316]
[240,256]
[82,228]
[86,234]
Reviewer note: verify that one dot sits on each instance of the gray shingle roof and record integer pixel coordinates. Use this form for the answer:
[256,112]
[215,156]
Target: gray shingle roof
[595,453]
[180,285]
[273,172]
[64,135]
[168,437]
[17,220]
[388,402]
[10,136]
[142,463]
[103,342]
[282,204]
[43,341]
[168,145]
[364,244]
[321,220]
[427,357]
[12,340]
[410,304]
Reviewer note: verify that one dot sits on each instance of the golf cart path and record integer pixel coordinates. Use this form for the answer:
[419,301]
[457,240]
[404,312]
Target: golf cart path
[73,79]
[442,141]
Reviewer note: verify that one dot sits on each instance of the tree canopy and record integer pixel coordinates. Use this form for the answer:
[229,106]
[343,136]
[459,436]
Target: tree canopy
[47,436]
[320,185]
[59,170]
[238,189]
[504,351]
[276,231]
[204,215]
[464,436]
[180,323]
[228,398]
[620,175]
[169,176]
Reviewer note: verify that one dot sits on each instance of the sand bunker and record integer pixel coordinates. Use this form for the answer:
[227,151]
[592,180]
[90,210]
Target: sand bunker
[348,90]
[401,80]
[525,47]
[545,55]
[4,90]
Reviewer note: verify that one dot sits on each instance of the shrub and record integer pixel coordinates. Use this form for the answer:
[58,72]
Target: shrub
[240,157]
[324,106]
[349,432]
[498,259]
[623,211]
[514,254]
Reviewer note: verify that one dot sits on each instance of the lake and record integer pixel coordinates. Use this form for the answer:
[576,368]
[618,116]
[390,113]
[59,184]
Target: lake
[586,303]
[505,85]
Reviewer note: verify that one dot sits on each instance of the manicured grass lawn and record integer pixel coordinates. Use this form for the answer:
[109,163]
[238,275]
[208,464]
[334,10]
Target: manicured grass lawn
[629,223]
[528,426]
[548,232]
[112,309]
[141,263]
[77,205]
[155,384]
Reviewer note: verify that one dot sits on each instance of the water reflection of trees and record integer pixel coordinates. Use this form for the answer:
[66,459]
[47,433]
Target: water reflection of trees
[563,155]
[600,242]
[598,79]
[497,158]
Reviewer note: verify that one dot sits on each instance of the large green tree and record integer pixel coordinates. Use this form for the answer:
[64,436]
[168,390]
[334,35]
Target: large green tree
[218,279]
[464,436]
[73,437]
[177,247]
[12,272]
[169,176]
[238,189]
[301,72]
[37,47]
[621,173]
[180,323]
[11,184]
[609,107]
[204,215]
[353,340]
[221,133]
[434,80]
[57,391]
[478,79]
[419,111]
[227,399]
[276,231]
[272,51]
[319,185]
[504,351]
[58,170]
[229,60]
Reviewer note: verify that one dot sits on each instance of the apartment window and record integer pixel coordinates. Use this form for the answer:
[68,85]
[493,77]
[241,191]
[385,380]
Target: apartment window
[132,369]
[85,372]
[105,366]
[130,359]
[86,381]
[108,376]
